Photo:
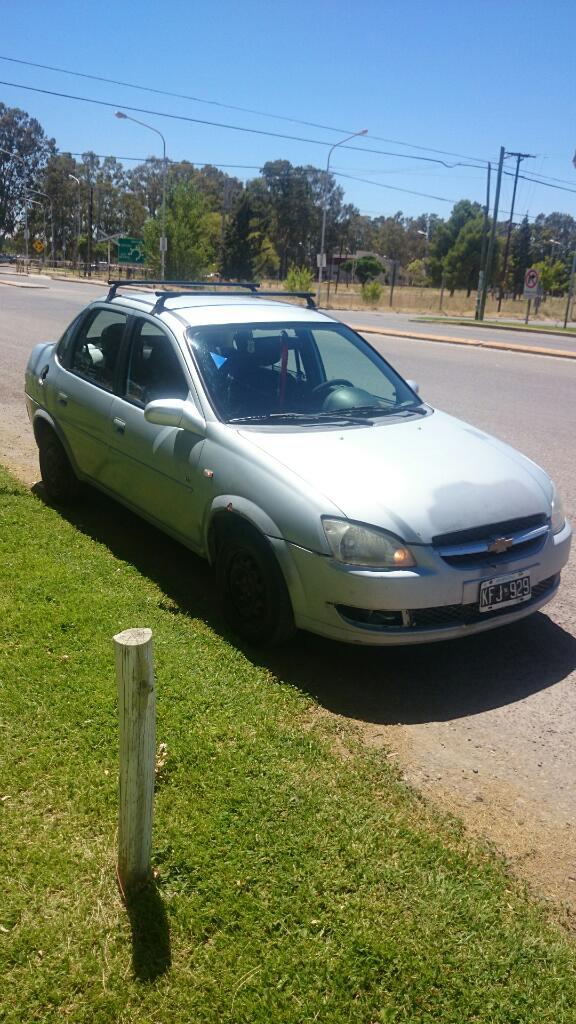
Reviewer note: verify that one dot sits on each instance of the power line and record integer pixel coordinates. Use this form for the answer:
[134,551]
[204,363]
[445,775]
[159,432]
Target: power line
[220,124]
[276,135]
[394,188]
[547,184]
[228,106]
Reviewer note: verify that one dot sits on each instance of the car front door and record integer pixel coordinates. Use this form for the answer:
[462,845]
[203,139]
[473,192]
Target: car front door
[153,468]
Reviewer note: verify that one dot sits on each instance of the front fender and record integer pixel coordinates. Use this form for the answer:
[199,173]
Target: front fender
[247,510]
[256,517]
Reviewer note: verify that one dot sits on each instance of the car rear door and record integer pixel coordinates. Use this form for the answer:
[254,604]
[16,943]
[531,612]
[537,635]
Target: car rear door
[80,395]
[154,468]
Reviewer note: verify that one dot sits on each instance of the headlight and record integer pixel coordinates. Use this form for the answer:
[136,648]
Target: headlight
[365,546]
[557,516]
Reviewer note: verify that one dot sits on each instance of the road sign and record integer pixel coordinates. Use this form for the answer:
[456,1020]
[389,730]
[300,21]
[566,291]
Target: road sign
[131,250]
[531,283]
[38,245]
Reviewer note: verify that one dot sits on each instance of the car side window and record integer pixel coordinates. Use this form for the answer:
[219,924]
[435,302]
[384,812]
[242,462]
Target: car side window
[97,347]
[66,339]
[154,370]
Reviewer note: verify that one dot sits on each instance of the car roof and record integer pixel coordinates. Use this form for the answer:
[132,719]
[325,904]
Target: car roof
[221,309]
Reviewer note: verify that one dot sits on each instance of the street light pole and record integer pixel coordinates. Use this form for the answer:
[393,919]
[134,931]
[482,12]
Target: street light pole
[36,202]
[77,180]
[364,131]
[46,196]
[26,232]
[163,240]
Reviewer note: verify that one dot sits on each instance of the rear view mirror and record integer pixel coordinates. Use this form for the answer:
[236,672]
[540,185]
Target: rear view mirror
[414,385]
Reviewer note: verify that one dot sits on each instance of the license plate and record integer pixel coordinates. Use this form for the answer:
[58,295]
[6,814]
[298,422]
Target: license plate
[504,590]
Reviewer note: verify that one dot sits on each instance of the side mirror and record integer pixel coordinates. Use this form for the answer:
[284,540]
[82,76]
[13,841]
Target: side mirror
[414,385]
[173,412]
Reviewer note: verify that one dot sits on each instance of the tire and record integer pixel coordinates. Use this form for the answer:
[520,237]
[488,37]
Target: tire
[60,481]
[253,595]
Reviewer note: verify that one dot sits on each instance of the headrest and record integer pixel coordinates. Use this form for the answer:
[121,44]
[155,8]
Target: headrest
[111,336]
[260,351]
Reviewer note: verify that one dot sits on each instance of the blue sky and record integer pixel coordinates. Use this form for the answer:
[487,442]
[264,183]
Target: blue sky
[461,77]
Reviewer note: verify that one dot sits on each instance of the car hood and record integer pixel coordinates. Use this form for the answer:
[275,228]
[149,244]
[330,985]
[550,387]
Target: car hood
[418,477]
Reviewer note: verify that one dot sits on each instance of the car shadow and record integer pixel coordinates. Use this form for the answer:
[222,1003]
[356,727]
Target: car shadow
[391,685]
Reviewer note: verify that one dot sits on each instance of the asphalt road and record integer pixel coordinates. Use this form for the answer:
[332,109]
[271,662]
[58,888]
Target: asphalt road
[403,323]
[483,726]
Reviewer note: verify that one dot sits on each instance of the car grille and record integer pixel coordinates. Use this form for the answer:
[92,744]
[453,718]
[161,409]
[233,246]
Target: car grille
[442,617]
[466,549]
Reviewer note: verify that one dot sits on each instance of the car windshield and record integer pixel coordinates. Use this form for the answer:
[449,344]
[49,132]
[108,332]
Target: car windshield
[295,372]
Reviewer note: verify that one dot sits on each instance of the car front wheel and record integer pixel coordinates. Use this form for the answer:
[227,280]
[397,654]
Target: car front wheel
[59,479]
[253,595]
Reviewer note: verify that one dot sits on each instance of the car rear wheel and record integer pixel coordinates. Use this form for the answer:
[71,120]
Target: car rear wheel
[253,595]
[60,481]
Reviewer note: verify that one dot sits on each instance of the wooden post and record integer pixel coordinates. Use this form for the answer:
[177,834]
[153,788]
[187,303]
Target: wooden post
[137,711]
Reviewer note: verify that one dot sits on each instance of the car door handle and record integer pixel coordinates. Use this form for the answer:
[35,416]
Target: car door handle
[119,425]
[43,376]
[62,398]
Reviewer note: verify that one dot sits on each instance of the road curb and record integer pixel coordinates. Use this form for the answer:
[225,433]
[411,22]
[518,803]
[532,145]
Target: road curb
[23,284]
[506,346]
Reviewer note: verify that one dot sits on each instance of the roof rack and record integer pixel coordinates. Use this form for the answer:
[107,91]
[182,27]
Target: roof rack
[126,283]
[159,289]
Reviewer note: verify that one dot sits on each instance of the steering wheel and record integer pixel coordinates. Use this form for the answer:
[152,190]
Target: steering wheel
[327,385]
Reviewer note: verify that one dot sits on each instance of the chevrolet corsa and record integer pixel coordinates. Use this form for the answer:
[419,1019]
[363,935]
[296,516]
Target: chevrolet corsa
[276,443]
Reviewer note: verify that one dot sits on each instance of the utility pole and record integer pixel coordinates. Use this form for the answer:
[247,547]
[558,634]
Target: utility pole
[482,273]
[519,158]
[570,290]
[90,218]
[491,243]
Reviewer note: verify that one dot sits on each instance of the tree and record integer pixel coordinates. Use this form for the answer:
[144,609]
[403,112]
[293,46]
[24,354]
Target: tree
[22,137]
[238,247]
[553,277]
[416,271]
[391,238]
[367,268]
[443,237]
[145,181]
[462,262]
[520,257]
[190,247]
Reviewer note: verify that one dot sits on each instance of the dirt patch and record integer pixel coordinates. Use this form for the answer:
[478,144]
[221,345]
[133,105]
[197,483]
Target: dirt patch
[537,840]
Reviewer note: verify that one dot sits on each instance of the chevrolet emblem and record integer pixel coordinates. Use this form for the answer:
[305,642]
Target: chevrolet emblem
[499,545]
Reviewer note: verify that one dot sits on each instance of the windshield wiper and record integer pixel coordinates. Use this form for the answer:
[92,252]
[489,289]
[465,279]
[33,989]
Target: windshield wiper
[340,416]
[380,410]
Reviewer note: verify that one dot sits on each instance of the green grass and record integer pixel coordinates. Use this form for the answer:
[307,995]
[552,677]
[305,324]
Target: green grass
[298,878]
[538,327]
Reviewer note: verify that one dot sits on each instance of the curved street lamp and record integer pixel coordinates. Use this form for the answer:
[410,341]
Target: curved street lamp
[363,131]
[163,241]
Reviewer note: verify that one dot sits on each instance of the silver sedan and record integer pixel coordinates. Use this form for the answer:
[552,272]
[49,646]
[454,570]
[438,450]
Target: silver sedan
[275,442]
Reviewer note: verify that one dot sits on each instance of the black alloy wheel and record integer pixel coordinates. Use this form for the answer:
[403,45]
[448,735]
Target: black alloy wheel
[252,591]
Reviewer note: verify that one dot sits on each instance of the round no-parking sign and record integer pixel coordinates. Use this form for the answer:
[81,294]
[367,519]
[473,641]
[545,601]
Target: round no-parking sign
[531,283]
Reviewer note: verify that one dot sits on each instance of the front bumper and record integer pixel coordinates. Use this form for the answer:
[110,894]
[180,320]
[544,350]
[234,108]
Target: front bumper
[434,601]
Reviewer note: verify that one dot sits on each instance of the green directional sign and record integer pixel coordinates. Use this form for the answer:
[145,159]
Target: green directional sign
[131,250]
